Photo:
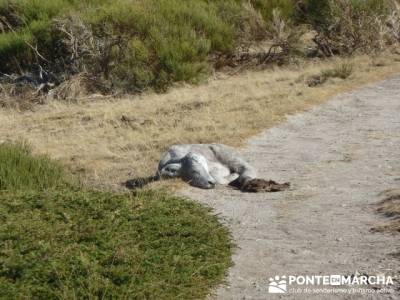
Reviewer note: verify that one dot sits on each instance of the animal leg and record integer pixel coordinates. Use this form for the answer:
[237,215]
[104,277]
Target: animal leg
[230,158]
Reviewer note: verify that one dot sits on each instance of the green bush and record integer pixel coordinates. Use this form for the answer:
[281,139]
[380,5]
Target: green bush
[137,44]
[315,12]
[19,170]
[14,51]
[132,45]
[322,13]
[28,25]
[287,8]
[156,51]
[348,26]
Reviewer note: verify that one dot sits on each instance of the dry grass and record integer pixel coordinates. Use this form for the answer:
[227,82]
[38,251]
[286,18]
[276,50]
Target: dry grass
[390,207]
[110,141]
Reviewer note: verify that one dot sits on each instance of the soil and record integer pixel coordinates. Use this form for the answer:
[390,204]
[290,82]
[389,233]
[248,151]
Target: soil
[338,158]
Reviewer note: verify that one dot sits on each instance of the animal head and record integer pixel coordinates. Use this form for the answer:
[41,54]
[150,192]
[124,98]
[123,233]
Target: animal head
[195,171]
[171,170]
[192,168]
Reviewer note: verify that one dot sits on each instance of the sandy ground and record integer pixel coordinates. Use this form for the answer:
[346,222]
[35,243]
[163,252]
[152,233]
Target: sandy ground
[338,157]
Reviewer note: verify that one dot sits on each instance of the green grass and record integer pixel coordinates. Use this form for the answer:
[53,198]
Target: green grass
[19,170]
[62,241]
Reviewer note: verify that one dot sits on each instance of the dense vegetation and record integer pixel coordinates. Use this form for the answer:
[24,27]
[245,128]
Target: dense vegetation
[20,170]
[59,240]
[131,45]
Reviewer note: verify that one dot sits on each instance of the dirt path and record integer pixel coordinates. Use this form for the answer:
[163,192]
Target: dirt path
[338,157]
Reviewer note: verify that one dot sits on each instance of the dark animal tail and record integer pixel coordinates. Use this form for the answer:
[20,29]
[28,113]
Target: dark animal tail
[140,182]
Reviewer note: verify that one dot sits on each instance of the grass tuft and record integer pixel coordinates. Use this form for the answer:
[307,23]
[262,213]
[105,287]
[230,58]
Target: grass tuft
[342,71]
[60,241]
[19,170]
[390,208]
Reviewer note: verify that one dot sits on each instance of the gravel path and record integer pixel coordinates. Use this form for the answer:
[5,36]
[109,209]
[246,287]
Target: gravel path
[338,157]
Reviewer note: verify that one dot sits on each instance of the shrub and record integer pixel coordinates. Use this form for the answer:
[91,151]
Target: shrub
[14,51]
[19,170]
[347,26]
[132,45]
[284,34]
[156,51]
[317,13]
[266,8]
